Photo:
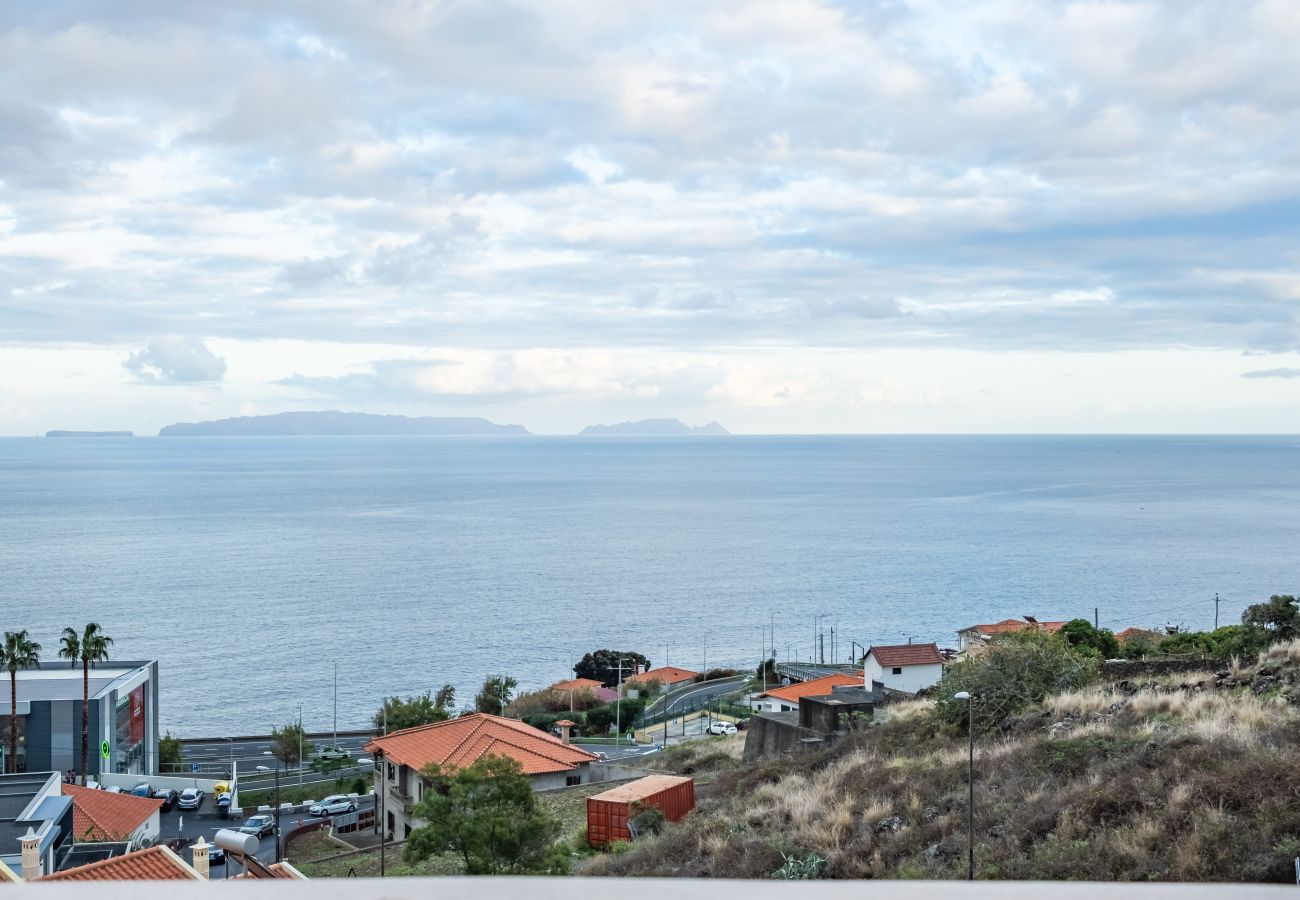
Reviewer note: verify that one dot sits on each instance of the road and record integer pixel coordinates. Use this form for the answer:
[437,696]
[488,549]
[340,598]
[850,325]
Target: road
[214,757]
[691,698]
[189,825]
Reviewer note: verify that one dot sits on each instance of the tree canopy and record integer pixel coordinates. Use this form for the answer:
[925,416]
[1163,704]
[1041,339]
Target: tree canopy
[1080,634]
[422,709]
[289,745]
[495,694]
[1015,671]
[488,815]
[602,665]
[1279,617]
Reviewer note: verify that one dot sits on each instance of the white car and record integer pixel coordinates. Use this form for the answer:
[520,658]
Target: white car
[328,753]
[191,798]
[332,805]
[722,728]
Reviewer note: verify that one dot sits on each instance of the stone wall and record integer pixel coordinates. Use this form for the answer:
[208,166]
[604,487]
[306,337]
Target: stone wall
[1128,669]
[770,734]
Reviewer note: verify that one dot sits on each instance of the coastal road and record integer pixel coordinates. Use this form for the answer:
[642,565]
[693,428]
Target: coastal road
[214,756]
[691,698]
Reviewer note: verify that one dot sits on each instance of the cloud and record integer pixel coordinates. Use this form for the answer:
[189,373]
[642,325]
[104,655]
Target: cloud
[1272,373]
[175,360]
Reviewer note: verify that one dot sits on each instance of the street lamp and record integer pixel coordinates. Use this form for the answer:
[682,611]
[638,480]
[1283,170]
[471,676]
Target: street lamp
[970,783]
[277,801]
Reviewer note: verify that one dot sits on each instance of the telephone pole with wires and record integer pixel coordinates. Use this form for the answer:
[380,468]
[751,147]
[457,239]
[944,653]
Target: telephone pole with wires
[1216,610]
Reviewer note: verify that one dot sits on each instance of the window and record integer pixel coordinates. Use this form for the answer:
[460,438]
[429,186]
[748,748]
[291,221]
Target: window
[571,780]
[898,670]
[392,772]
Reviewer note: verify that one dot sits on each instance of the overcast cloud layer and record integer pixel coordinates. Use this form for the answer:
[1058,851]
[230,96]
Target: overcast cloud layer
[788,216]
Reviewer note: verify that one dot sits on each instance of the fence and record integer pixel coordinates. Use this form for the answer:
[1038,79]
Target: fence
[689,706]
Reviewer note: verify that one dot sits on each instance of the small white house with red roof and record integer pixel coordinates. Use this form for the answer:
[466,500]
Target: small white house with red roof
[903,667]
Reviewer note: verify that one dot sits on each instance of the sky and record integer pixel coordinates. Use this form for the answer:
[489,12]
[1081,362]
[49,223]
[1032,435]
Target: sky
[790,217]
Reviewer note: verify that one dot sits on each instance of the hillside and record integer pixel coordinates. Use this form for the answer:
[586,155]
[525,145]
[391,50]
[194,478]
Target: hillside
[332,422]
[1183,777]
[653,427]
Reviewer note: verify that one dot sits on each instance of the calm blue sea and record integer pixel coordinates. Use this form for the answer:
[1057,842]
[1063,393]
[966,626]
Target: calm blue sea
[249,566]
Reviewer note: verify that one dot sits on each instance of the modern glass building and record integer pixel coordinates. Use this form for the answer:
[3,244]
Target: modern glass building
[123,718]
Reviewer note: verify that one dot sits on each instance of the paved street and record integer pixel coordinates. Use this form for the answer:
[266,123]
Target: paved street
[215,756]
[189,825]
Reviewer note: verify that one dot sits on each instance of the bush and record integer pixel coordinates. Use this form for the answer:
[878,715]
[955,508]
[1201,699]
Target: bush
[1081,635]
[1016,671]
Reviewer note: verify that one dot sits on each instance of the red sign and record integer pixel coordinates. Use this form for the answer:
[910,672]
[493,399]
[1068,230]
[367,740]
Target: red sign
[137,715]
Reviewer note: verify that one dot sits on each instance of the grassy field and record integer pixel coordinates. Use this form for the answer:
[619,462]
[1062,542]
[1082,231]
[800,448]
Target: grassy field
[1182,778]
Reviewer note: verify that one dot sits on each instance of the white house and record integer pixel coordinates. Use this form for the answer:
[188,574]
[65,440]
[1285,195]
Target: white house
[106,816]
[786,699]
[903,667]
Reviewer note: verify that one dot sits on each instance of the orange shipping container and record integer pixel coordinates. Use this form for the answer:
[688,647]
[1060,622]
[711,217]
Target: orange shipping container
[608,812]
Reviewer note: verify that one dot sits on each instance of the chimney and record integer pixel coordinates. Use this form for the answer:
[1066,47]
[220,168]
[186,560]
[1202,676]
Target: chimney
[564,725]
[31,843]
[200,851]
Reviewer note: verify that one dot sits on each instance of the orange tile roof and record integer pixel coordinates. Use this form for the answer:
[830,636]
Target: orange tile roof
[103,816]
[576,684]
[907,655]
[1006,626]
[461,742]
[663,675]
[815,688]
[152,864]
[1133,631]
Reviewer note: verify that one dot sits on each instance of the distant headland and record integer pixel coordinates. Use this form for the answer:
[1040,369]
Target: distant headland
[89,434]
[332,422]
[655,427]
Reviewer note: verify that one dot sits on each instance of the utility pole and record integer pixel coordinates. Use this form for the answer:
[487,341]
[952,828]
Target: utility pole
[336,706]
[618,706]
[706,657]
[1216,610]
[821,641]
[301,761]
[1096,617]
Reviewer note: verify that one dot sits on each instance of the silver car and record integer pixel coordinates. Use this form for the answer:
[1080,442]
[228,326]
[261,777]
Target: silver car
[337,803]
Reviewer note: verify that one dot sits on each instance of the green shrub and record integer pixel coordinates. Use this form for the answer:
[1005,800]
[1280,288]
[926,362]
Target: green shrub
[1016,670]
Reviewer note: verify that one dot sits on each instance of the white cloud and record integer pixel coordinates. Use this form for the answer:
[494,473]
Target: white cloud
[175,360]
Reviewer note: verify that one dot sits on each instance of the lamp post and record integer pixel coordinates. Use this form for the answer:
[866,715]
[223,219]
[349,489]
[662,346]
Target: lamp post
[277,801]
[970,783]
[381,781]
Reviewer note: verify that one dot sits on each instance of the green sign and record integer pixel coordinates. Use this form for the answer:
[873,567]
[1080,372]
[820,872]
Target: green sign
[103,749]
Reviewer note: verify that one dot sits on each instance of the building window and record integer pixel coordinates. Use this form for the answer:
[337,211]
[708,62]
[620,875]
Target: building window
[571,780]
[392,772]
[898,670]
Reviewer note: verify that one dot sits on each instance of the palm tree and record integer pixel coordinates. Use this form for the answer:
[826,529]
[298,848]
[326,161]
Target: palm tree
[18,652]
[91,646]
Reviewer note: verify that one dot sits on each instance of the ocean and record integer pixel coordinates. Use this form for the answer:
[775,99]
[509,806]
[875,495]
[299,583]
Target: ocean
[250,566]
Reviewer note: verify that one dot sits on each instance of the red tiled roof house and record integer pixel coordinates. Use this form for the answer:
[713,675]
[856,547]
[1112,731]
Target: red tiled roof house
[547,761]
[786,699]
[903,667]
[104,816]
[669,677]
[976,637]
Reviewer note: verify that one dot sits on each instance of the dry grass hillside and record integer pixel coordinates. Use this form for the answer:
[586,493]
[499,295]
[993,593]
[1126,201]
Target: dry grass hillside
[1194,777]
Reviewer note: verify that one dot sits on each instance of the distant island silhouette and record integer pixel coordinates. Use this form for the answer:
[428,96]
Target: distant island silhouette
[655,427]
[332,422]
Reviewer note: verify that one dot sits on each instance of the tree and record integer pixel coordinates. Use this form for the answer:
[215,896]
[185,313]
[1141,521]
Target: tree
[290,745]
[422,709]
[495,694]
[91,646]
[18,652]
[488,815]
[1017,670]
[602,665]
[169,753]
[1279,618]
[1080,634]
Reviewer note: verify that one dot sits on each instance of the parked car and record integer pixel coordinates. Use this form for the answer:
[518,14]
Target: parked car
[113,790]
[334,804]
[191,798]
[168,798]
[331,753]
[141,790]
[722,728]
[215,854]
[743,725]
[259,825]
